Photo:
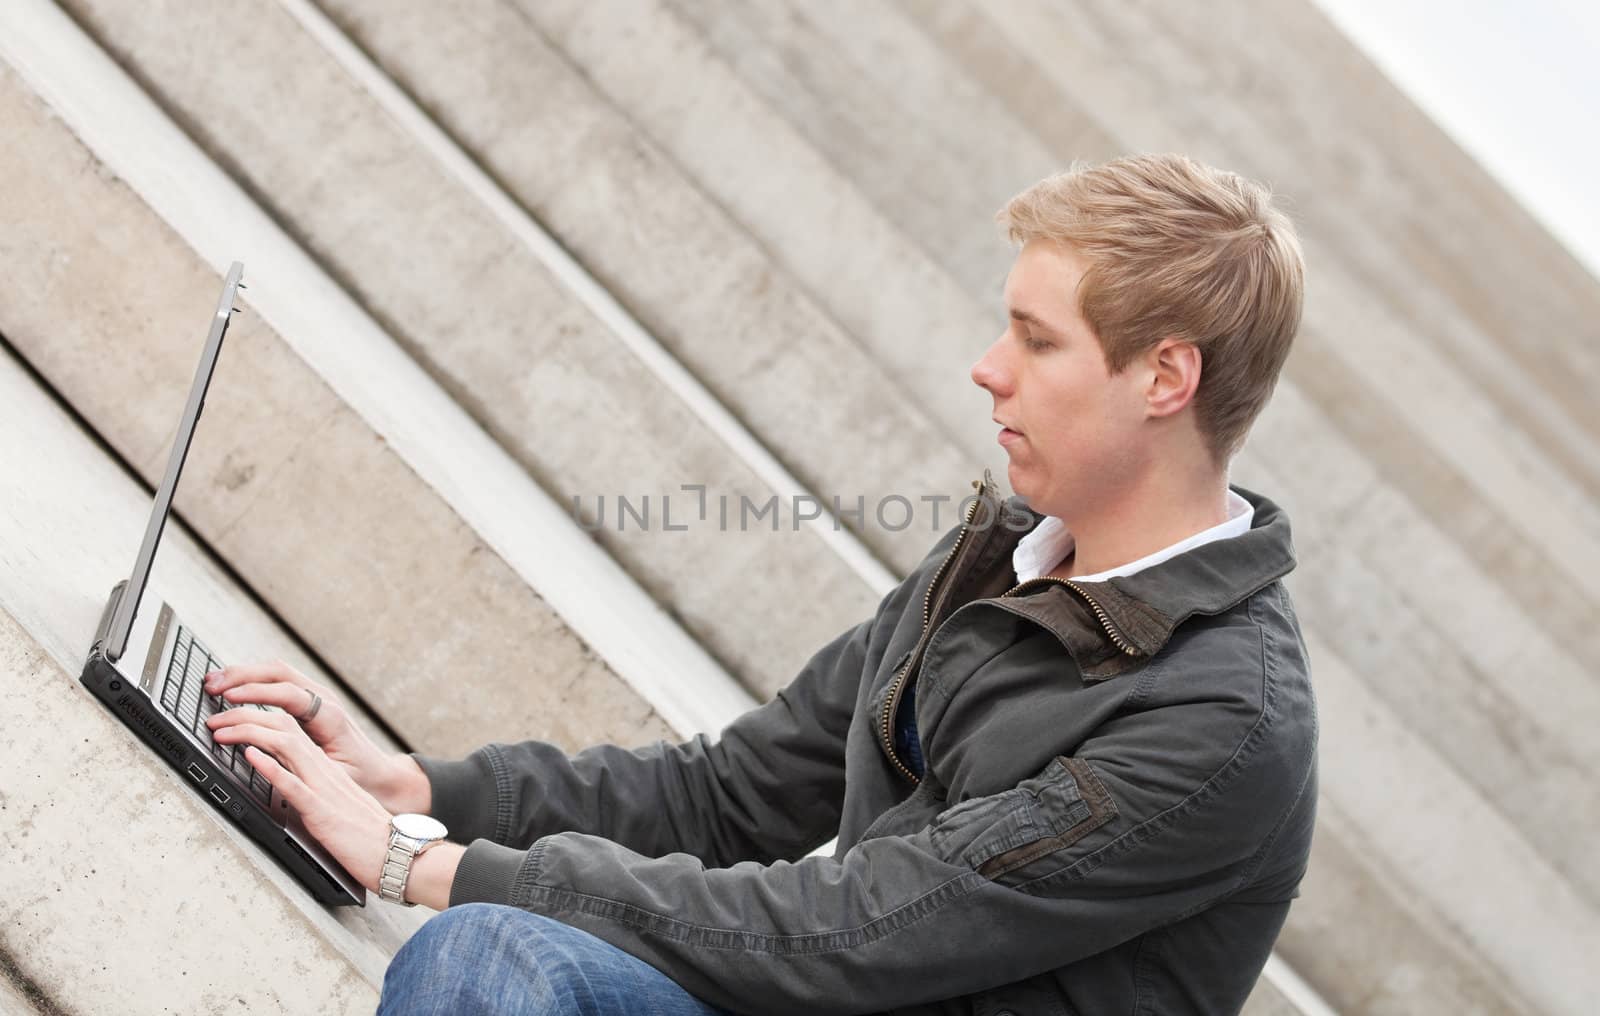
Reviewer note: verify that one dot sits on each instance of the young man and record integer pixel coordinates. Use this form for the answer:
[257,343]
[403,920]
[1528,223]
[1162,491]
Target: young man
[1070,760]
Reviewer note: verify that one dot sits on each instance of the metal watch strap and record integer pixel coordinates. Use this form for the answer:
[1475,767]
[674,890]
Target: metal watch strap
[403,850]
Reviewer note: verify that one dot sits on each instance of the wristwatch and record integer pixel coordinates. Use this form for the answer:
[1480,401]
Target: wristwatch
[409,835]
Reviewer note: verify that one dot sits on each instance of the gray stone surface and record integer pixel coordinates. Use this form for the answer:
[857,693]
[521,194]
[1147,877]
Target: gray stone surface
[1467,869]
[813,221]
[1428,625]
[1267,1000]
[693,276]
[1390,959]
[19,996]
[932,151]
[581,414]
[372,568]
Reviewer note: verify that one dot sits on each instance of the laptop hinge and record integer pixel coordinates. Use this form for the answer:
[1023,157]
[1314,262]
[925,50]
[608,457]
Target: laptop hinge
[104,627]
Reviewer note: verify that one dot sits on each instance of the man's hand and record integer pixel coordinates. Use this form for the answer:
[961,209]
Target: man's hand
[395,780]
[349,822]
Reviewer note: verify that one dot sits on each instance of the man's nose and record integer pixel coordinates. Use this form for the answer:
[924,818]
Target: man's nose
[988,373]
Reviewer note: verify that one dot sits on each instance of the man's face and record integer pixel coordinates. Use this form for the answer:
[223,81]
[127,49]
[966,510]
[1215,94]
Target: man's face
[1071,428]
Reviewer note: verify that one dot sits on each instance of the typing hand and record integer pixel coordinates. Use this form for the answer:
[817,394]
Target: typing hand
[348,821]
[394,780]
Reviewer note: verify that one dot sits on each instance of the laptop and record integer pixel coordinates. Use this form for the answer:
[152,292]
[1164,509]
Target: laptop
[147,666]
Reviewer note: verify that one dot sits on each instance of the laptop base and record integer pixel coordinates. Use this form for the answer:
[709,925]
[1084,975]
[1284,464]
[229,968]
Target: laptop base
[201,771]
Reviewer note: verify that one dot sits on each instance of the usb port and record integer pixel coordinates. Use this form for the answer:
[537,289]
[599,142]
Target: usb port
[198,774]
[218,794]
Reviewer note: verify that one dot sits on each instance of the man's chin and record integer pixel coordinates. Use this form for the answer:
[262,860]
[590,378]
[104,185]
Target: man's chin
[1026,484]
[1018,477]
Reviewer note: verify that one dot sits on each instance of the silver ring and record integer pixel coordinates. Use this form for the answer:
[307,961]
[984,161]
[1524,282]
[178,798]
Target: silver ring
[316,703]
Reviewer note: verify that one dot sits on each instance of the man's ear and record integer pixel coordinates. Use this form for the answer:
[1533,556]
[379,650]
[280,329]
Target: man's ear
[1174,366]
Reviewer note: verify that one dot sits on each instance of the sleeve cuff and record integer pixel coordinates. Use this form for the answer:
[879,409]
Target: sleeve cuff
[486,873]
[465,795]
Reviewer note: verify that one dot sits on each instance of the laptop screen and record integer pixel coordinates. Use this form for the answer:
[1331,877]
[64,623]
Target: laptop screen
[128,606]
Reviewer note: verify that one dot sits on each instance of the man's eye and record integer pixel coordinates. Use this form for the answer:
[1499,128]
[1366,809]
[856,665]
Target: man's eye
[1035,344]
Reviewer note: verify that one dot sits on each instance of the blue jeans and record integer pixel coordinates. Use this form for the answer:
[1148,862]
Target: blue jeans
[482,958]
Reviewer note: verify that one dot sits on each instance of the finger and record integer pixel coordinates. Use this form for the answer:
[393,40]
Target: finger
[279,742]
[288,697]
[240,673]
[233,717]
[284,739]
[291,787]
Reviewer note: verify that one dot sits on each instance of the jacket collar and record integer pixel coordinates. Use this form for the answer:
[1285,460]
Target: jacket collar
[1143,609]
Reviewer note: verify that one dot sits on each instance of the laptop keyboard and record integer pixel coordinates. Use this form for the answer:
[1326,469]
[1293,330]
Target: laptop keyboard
[184,697]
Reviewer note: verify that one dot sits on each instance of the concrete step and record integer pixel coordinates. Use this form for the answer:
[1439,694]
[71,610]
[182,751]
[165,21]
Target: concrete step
[709,293]
[1281,991]
[928,148]
[1396,913]
[105,836]
[369,562]
[1433,632]
[899,304]
[1449,851]
[531,364]
[18,996]
[1360,935]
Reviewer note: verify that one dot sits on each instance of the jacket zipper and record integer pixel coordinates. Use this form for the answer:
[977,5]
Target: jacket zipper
[892,702]
[1105,621]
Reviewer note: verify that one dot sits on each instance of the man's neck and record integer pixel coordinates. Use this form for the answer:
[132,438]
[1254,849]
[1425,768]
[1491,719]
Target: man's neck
[1138,525]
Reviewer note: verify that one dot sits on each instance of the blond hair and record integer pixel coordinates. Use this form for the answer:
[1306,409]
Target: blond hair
[1177,248]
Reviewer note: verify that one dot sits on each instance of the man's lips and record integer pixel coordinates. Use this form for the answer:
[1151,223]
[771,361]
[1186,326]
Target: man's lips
[1007,434]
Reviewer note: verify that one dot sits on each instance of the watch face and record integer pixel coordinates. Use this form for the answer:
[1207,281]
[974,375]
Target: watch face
[420,827]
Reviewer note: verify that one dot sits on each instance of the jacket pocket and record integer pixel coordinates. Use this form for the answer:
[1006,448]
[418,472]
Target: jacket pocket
[1040,815]
[905,818]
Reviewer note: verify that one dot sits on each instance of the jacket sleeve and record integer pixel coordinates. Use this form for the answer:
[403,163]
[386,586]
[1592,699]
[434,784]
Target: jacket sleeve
[771,786]
[1091,851]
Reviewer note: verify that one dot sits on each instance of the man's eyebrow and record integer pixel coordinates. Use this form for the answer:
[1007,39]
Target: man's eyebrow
[1035,320]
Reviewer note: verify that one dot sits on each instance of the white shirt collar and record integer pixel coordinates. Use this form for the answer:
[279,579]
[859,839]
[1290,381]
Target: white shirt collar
[1049,543]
